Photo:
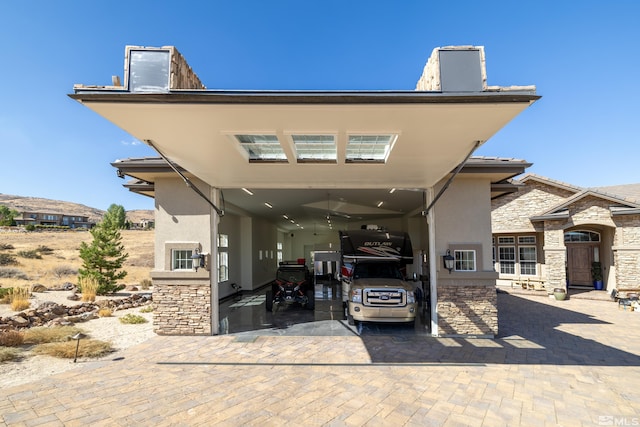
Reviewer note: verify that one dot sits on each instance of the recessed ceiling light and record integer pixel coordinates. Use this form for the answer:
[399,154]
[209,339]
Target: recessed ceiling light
[393,190]
[285,217]
[269,205]
[246,190]
[380,204]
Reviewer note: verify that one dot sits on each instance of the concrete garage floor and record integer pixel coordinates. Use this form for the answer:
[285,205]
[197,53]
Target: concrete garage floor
[247,315]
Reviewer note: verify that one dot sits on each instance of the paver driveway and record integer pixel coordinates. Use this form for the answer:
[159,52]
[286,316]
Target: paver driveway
[571,363]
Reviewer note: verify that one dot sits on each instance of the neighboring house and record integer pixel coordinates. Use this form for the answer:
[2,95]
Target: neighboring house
[265,169]
[53,219]
[551,233]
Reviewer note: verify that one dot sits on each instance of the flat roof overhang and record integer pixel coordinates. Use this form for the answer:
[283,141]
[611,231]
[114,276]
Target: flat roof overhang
[195,129]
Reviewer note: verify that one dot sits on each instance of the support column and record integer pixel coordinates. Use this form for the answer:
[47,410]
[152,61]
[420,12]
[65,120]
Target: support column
[555,256]
[215,299]
[433,283]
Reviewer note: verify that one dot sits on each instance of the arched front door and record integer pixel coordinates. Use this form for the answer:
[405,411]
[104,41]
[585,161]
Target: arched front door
[583,248]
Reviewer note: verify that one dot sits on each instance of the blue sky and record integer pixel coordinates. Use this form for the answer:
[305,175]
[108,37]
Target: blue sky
[582,56]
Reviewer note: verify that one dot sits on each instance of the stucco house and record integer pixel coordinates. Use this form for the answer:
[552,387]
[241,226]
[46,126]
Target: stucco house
[550,233]
[246,178]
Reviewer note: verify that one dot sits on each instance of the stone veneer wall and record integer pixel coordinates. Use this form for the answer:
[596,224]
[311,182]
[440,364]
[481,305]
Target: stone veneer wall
[511,212]
[181,307]
[627,252]
[468,309]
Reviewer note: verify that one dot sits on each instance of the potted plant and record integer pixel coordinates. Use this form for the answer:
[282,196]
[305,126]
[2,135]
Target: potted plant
[559,293]
[596,275]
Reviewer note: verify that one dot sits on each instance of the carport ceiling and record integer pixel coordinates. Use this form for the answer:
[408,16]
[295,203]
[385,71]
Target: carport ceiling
[202,132]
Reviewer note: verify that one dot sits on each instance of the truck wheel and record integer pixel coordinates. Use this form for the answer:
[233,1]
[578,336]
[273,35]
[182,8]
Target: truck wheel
[350,320]
[268,302]
[311,300]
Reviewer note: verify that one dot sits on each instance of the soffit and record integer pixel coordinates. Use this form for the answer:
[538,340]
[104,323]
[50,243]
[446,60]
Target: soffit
[433,137]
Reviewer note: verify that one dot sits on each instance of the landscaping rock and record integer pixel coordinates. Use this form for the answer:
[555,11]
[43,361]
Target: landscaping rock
[49,313]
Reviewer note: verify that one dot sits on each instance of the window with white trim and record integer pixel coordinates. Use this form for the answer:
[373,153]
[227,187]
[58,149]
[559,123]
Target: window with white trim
[181,259]
[223,257]
[524,240]
[528,259]
[507,259]
[509,240]
[465,260]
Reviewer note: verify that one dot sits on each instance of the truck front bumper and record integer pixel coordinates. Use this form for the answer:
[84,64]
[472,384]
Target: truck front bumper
[362,313]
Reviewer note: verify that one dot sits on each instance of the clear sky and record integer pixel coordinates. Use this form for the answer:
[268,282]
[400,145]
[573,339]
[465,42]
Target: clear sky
[583,56]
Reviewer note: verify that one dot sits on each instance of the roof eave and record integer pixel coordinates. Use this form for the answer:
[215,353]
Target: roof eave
[302,97]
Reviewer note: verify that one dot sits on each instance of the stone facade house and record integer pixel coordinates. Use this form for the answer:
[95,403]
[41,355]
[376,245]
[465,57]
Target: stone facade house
[549,233]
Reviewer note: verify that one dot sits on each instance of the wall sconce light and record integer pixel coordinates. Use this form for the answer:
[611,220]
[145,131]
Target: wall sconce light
[198,259]
[448,261]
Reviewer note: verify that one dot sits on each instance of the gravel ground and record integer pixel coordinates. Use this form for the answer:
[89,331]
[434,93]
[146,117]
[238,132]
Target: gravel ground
[33,367]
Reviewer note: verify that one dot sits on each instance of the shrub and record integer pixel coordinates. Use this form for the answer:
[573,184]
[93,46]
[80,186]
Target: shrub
[105,312]
[132,319]
[147,309]
[12,273]
[9,354]
[43,249]
[89,287]
[8,259]
[19,298]
[67,350]
[4,295]
[32,254]
[6,246]
[30,227]
[11,338]
[64,270]
[44,334]
[145,284]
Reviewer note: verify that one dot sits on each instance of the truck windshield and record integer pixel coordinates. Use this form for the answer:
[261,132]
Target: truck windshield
[377,270]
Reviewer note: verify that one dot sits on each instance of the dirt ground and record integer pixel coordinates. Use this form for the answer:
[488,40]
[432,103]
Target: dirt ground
[61,264]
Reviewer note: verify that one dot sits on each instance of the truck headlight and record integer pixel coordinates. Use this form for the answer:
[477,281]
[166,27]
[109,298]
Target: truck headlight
[411,298]
[356,295]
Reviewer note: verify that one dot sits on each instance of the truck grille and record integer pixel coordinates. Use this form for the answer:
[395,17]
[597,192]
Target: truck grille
[385,297]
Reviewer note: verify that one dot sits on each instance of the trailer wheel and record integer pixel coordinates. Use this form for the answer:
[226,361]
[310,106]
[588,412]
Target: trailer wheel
[268,302]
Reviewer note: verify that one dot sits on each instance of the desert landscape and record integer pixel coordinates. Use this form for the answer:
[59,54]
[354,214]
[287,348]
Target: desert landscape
[46,263]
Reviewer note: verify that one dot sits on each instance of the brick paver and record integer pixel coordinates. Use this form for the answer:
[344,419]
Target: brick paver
[572,363]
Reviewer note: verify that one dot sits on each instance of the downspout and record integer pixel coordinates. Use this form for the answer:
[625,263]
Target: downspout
[429,214]
[187,181]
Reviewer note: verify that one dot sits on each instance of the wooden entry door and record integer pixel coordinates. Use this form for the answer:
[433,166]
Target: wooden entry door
[579,259]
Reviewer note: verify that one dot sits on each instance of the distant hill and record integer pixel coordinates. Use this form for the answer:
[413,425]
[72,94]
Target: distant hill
[37,204]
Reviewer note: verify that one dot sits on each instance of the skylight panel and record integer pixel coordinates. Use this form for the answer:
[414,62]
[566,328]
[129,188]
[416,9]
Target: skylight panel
[369,148]
[262,148]
[315,148]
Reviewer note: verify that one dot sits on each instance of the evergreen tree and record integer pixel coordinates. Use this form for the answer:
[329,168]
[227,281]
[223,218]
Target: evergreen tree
[103,258]
[7,215]
[115,216]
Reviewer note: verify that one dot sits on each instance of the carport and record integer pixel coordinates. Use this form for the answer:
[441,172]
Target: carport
[314,159]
